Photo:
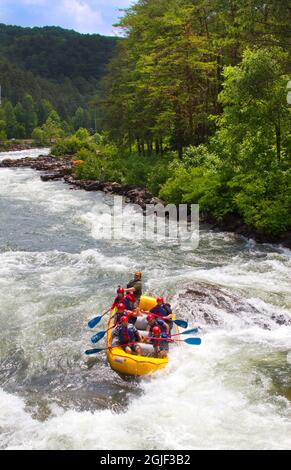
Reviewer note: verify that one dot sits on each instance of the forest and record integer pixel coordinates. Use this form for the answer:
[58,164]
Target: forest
[50,68]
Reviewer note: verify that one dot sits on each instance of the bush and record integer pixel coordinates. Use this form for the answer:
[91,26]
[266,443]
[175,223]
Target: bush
[3,135]
[194,157]
[91,168]
[39,136]
[264,200]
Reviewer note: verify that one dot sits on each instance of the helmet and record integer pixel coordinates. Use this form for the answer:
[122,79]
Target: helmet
[120,306]
[120,290]
[124,318]
[150,317]
[160,299]
[137,274]
[156,330]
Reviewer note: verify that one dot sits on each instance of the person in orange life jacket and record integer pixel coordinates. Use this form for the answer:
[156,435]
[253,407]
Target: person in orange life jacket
[118,299]
[154,321]
[125,334]
[163,310]
[161,347]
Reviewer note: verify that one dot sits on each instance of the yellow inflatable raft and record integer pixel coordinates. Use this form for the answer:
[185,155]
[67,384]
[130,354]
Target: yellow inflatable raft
[130,364]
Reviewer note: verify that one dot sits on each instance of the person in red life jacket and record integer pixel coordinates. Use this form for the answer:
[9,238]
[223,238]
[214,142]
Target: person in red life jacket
[161,347]
[118,299]
[130,302]
[154,321]
[121,312]
[127,334]
[163,310]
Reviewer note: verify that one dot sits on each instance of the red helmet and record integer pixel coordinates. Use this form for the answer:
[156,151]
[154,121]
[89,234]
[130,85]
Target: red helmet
[150,317]
[156,330]
[120,306]
[160,299]
[124,319]
[120,290]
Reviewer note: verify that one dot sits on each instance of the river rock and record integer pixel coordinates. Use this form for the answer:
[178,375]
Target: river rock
[208,306]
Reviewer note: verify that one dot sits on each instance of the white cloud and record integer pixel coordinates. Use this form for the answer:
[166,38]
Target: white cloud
[86,16]
[81,15]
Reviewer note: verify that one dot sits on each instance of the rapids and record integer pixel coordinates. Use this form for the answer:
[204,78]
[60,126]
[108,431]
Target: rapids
[232,392]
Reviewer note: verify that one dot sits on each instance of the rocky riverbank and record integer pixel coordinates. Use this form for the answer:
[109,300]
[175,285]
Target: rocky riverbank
[16,147]
[62,169]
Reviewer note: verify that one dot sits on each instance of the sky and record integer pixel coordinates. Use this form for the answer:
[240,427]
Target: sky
[84,16]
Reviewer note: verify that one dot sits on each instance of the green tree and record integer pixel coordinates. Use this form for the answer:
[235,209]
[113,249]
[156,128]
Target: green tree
[29,116]
[44,109]
[10,119]
[3,135]
[39,136]
[51,130]
[256,118]
[79,119]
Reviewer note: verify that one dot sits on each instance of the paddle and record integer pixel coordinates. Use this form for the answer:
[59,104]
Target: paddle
[187,332]
[100,335]
[196,341]
[96,320]
[181,323]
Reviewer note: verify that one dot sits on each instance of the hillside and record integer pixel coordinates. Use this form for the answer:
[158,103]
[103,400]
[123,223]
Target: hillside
[52,63]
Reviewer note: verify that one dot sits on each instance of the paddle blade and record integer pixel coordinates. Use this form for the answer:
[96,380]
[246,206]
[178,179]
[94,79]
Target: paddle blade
[196,341]
[93,351]
[181,323]
[187,332]
[97,337]
[94,322]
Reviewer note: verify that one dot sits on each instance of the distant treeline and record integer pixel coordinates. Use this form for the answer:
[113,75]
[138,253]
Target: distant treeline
[20,121]
[52,64]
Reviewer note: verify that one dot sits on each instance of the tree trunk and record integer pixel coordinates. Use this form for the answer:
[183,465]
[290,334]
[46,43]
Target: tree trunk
[157,146]
[161,146]
[278,142]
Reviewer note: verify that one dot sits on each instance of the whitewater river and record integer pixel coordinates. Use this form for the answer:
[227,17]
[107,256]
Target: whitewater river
[232,392]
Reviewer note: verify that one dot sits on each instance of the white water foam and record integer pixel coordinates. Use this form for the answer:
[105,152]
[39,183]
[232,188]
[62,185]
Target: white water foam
[209,398]
[17,155]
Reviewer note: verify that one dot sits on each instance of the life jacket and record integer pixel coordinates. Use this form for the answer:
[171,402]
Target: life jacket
[161,324]
[129,301]
[122,334]
[117,301]
[125,334]
[118,315]
[159,344]
[163,310]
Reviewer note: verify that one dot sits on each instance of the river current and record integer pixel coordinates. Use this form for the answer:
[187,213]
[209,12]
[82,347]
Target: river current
[232,392]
